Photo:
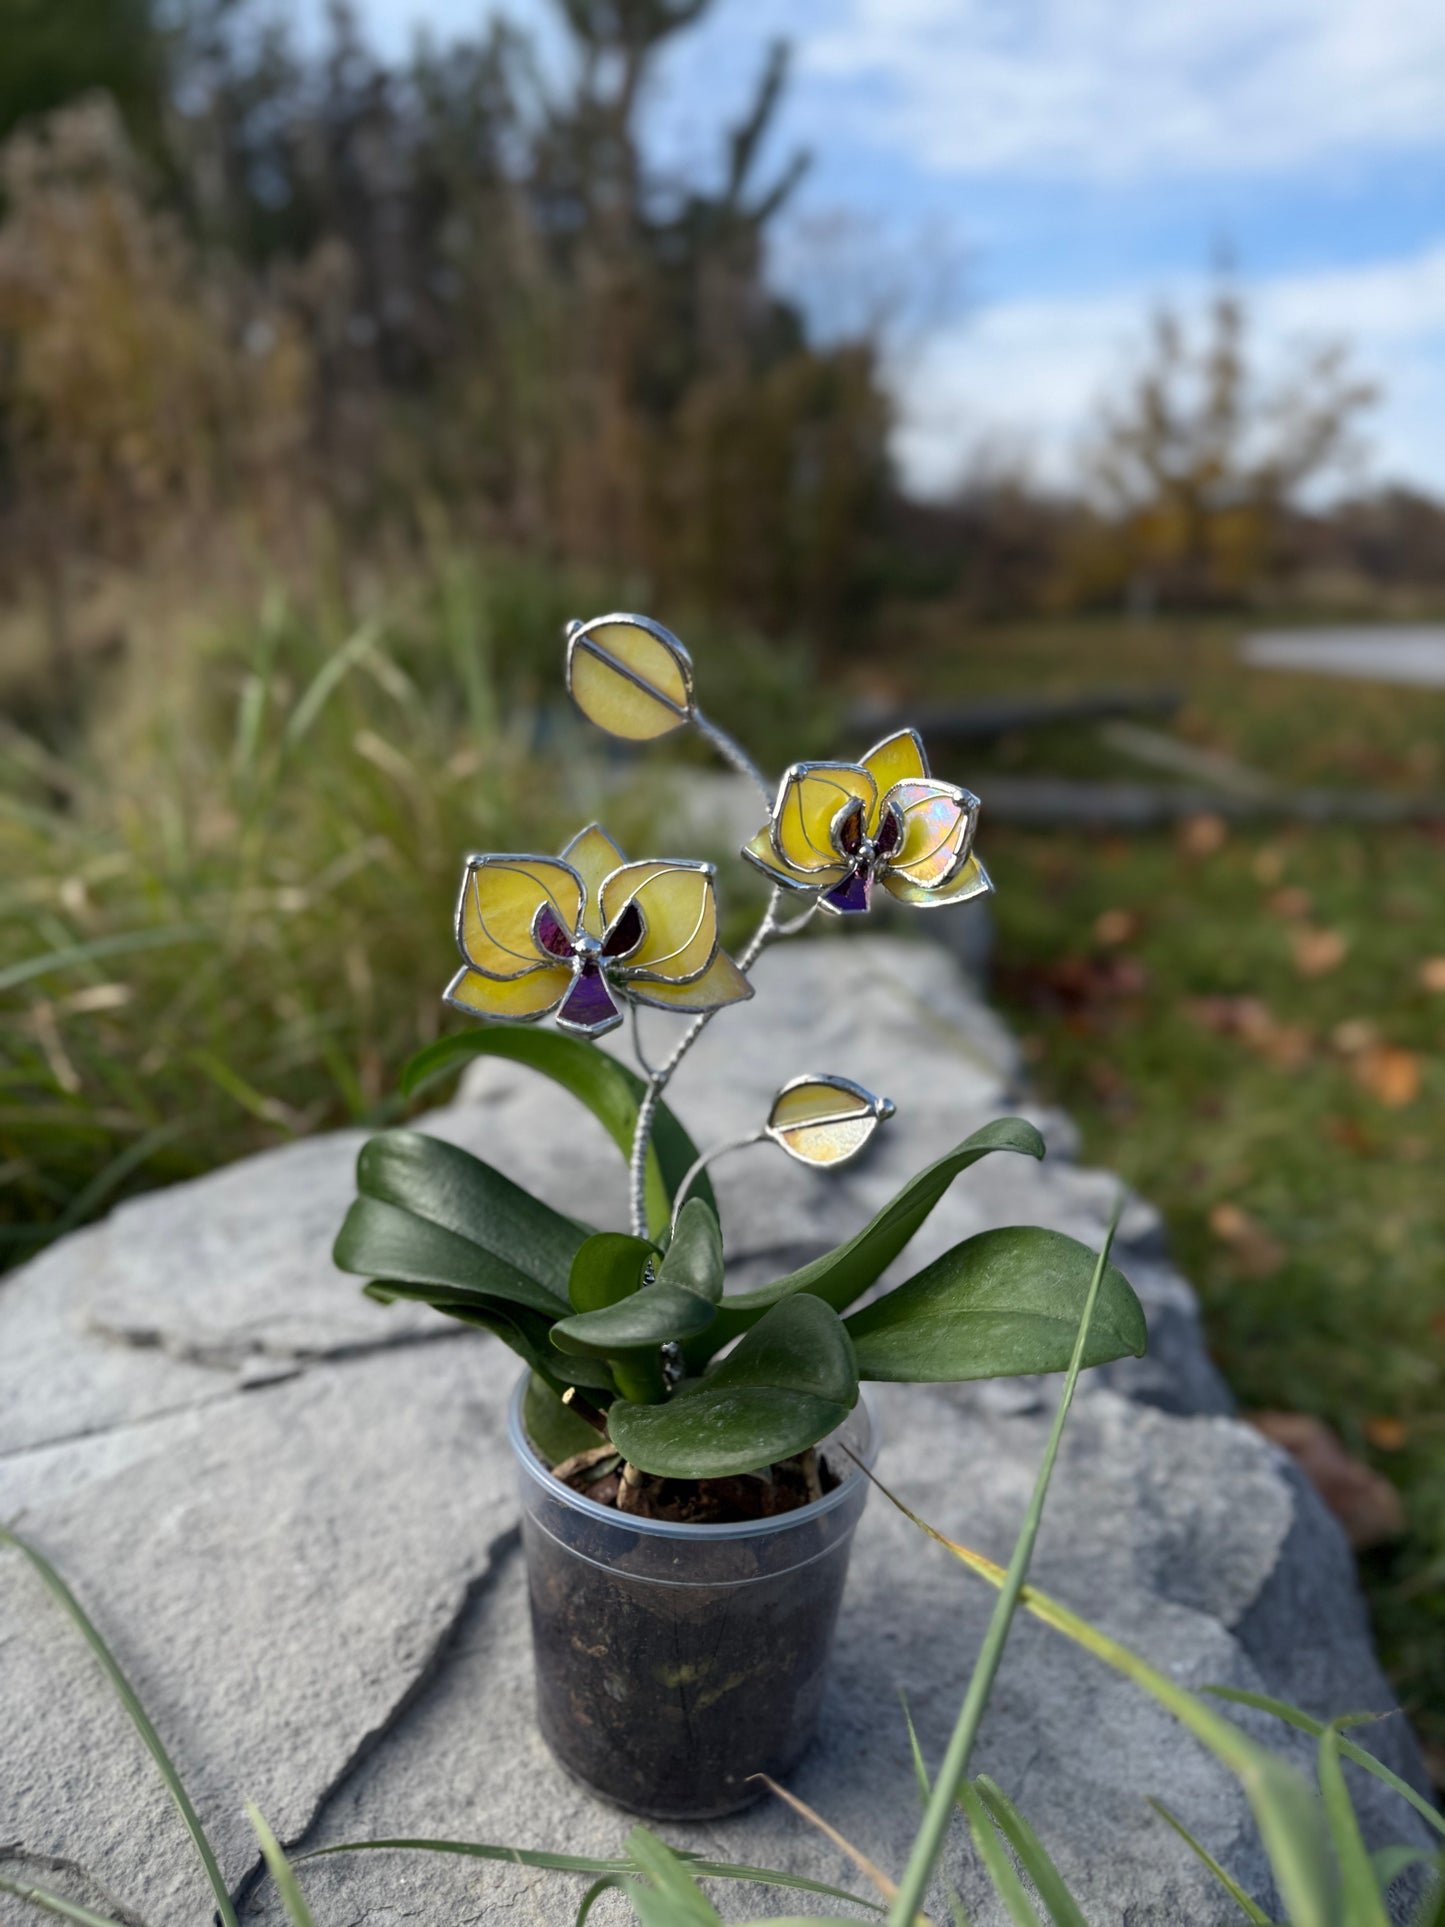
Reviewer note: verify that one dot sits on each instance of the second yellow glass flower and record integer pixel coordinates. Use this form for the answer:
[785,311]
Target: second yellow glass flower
[577,933]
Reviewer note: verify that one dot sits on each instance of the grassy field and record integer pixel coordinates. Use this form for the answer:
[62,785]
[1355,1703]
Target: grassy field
[222,899]
[1249,1023]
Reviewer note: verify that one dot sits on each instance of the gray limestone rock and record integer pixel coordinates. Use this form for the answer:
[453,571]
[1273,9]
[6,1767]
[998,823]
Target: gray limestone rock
[292,1514]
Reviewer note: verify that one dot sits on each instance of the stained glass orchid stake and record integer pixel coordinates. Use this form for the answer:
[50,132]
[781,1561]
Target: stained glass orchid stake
[629,1328]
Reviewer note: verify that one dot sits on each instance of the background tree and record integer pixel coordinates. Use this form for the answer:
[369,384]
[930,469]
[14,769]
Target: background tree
[1199,463]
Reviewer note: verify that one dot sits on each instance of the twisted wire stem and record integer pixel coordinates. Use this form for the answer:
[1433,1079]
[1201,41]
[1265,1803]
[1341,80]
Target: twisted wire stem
[658,1079]
[770,927]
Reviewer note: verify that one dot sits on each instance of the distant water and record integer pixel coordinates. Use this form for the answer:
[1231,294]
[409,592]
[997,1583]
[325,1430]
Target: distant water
[1414,656]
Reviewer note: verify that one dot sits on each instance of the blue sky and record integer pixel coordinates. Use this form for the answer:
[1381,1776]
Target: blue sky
[1008,186]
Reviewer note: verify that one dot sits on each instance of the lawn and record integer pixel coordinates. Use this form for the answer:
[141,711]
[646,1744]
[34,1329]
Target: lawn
[1249,1023]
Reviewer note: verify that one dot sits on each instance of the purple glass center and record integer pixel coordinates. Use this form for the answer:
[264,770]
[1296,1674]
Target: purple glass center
[850,831]
[588,1003]
[625,934]
[852,895]
[550,934]
[890,833]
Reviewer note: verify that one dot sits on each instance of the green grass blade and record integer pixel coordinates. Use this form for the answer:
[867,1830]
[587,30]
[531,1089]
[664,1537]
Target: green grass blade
[1364,1903]
[120,945]
[593,1894]
[920,1769]
[1390,1862]
[1432,1909]
[1292,1716]
[125,1693]
[928,1843]
[670,1882]
[56,1904]
[1249,1908]
[1000,1869]
[326,681]
[1035,1862]
[1285,1807]
[591,1863]
[292,1898]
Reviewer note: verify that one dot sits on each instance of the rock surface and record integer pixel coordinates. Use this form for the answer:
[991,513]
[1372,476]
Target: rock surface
[291,1513]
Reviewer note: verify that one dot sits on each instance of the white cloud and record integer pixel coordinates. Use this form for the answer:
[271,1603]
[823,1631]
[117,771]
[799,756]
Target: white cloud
[1114,89]
[1028,375]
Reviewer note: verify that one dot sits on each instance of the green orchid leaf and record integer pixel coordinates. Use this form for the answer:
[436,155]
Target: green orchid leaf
[657,1315]
[609,1090]
[395,1247]
[607,1268]
[448,1186]
[842,1275]
[525,1332]
[694,1258]
[678,1306]
[996,1305]
[554,1428]
[790,1382]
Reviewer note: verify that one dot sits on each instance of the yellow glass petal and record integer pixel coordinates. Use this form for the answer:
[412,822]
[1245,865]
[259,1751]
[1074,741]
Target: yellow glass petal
[763,856]
[679,914]
[820,1121]
[808,803]
[632,680]
[897,759]
[500,897]
[721,983]
[937,824]
[972,881]
[594,856]
[534,995]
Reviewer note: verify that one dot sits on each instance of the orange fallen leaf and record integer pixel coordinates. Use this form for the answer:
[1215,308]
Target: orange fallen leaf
[1257,1251]
[1251,1020]
[1432,974]
[1203,835]
[1391,1074]
[1365,1503]
[1115,927]
[1385,1433]
[1350,1135]
[1318,951]
[1292,903]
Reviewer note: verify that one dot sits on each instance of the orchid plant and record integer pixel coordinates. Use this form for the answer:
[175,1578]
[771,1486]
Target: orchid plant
[630,1337]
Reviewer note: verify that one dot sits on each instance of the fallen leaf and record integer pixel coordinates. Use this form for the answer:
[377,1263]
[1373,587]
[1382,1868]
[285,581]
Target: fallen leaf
[1293,904]
[1113,927]
[1432,974]
[1355,1034]
[1385,1433]
[1257,1251]
[1390,1074]
[1363,1500]
[1287,1046]
[1350,1135]
[1203,835]
[1319,951]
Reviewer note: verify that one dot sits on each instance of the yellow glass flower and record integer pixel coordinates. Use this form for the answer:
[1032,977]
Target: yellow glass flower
[577,932]
[837,828]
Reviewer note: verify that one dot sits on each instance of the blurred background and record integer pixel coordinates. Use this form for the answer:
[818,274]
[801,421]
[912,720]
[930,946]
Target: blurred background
[1070,380]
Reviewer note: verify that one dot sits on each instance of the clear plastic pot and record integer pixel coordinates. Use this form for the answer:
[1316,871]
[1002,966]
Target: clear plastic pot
[674,1662]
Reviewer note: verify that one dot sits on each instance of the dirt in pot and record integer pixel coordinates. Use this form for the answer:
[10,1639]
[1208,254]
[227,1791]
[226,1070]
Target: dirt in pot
[599,1474]
[671,1672]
